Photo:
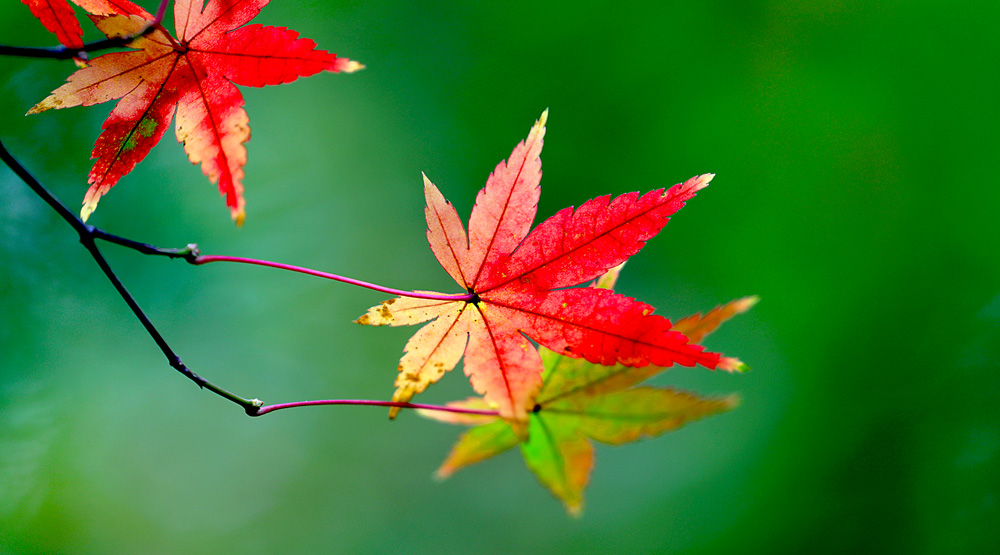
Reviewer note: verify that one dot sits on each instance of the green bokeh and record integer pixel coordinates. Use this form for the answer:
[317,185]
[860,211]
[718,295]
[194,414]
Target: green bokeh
[855,195]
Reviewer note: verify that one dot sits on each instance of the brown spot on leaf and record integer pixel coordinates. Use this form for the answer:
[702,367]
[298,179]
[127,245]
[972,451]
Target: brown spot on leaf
[384,311]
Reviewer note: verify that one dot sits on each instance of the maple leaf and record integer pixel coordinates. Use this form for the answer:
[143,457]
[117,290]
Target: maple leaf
[58,17]
[193,73]
[518,287]
[578,402]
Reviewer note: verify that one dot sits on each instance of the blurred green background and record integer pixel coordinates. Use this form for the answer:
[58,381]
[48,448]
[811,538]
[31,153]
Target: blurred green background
[855,145]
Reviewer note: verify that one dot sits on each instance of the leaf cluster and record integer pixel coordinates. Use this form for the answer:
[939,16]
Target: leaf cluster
[580,401]
[557,358]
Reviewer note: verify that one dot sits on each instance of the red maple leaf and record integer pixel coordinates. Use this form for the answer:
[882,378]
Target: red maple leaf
[520,282]
[58,17]
[192,73]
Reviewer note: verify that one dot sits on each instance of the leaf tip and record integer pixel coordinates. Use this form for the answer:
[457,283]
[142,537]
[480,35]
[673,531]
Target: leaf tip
[350,66]
[703,180]
[90,201]
[382,315]
[239,216]
[574,510]
[39,108]
[403,394]
[732,365]
[745,304]
[543,119]
[443,473]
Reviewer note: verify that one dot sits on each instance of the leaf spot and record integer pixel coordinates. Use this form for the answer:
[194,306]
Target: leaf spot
[384,311]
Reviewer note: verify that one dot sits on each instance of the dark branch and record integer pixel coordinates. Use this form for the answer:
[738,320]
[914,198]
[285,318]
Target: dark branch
[189,253]
[88,236]
[64,53]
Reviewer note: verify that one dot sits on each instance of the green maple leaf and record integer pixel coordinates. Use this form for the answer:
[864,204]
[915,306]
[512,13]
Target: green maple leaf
[581,401]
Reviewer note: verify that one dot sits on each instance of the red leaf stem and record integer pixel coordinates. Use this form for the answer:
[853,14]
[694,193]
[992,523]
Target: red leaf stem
[367,402]
[350,281]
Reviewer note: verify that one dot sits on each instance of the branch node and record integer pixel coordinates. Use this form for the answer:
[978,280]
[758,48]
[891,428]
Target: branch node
[190,253]
[253,409]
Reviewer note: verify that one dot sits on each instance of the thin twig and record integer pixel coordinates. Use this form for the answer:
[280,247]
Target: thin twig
[189,253]
[88,234]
